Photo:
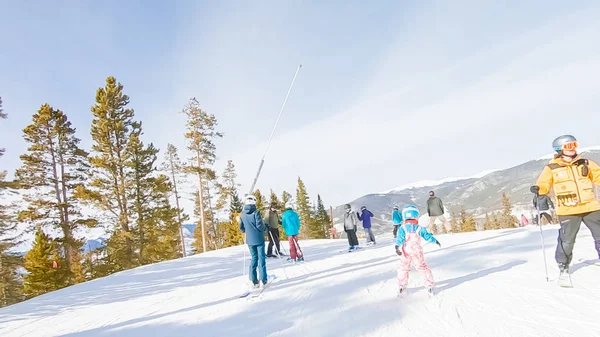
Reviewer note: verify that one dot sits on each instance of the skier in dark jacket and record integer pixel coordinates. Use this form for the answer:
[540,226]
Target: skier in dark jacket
[365,216]
[435,210]
[545,203]
[273,220]
[252,225]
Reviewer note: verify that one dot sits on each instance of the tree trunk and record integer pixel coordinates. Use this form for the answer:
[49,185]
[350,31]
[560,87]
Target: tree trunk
[200,195]
[61,205]
[177,204]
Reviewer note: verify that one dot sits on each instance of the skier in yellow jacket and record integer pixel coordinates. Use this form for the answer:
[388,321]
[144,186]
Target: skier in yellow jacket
[572,178]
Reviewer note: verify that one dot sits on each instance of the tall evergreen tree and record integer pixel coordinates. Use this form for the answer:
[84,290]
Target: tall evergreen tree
[261,204]
[142,187]
[227,186]
[45,267]
[10,283]
[161,231]
[201,135]
[506,219]
[175,169]
[53,167]
[236,205]
[274,200]
[323,218]
[304,210]
[467,223]
[285,198]
[111,130]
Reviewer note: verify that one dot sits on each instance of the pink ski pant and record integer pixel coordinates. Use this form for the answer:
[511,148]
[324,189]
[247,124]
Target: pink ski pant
[418,260]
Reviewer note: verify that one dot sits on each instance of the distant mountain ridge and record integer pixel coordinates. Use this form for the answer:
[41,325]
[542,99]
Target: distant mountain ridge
[479,194]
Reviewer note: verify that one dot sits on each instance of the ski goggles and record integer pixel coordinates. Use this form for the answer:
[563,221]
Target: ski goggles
[571,146]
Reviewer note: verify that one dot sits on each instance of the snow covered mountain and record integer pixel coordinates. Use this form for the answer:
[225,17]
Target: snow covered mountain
[489,283]
[478,194]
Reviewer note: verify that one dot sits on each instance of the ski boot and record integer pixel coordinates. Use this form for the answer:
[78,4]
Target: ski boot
[300,259]
[564,277]
[430,291]
[401,292]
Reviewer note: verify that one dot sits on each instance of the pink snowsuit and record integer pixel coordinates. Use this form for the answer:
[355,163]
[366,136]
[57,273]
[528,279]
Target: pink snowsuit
[409,239]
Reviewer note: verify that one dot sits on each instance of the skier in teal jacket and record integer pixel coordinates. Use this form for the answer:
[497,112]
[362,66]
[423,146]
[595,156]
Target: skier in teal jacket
[290,221]
[397,219]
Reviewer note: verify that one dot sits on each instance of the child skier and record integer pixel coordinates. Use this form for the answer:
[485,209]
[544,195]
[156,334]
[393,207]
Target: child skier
[408,246]
[290,222]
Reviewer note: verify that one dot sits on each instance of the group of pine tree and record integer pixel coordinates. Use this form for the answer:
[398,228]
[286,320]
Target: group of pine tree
[119,184]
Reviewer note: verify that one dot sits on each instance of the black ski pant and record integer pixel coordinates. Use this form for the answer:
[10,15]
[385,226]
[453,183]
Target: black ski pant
[396,229]
[569,227]
[273,237]
[352,238]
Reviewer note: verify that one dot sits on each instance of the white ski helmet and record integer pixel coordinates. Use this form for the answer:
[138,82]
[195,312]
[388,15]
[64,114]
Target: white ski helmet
[250,200]
[289,205]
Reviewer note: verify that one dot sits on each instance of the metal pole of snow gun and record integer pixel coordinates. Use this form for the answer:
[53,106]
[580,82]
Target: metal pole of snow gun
[536,191]
[262,161]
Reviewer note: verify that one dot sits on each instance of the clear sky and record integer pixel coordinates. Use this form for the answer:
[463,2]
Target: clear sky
[390,92]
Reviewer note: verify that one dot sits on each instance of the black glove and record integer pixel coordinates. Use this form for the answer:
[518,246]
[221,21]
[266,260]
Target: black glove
[398,250]
[535,189]
[438,243]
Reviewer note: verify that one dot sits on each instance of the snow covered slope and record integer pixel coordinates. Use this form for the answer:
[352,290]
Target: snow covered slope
[489,283]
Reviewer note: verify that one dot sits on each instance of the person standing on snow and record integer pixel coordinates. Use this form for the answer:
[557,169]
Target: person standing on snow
[252,225]
[408,247]
[572,178]
[524,221]
[435,210]
[350,227]
[290,222]
[273,221]
[365,216]
[397,219]
[545,203]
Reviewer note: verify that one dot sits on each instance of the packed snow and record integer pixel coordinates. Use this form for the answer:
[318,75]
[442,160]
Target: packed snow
[488,283]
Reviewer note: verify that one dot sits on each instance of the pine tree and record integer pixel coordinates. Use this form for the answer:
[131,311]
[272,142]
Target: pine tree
[285,198]
[467,223]
[162,228]
[53,168]
[506,219]
[46,269]
[227,186]
[142,187]
[111,130]
[235,205]
[260,201]
[175,169]
[322,218]
[304,210]
[10,283]
[454,225]
[487,222]
[200,135]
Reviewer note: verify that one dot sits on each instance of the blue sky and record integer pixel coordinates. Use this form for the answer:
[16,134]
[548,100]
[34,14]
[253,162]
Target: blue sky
[390,92]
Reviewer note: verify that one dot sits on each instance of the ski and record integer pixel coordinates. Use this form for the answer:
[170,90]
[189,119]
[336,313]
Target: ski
[590,263]
[257,290]
[270,279]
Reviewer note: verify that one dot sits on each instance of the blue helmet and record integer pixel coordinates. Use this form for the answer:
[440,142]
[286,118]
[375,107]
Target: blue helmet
[410,212]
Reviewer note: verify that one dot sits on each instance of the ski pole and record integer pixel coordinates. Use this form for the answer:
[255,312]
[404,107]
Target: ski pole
[279,256]
[537,208]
